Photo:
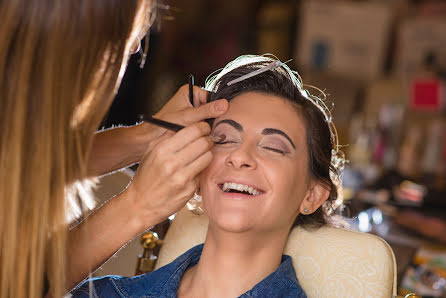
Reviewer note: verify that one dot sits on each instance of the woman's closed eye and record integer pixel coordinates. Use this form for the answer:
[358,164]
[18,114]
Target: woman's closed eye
[225,141]
[275,146]
[275,150]
[278,147]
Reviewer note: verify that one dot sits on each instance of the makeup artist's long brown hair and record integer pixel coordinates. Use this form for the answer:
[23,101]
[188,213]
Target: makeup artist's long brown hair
[60,64]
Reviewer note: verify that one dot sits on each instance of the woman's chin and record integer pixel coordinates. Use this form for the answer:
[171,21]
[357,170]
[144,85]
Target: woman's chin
[233,215]
[233,222]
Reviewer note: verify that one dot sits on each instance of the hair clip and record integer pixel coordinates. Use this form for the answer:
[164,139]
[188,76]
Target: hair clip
[270,66]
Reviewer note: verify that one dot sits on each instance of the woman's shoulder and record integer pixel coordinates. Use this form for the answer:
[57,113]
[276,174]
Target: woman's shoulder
[118,286]
[96,286]
[154,284]
[281,283]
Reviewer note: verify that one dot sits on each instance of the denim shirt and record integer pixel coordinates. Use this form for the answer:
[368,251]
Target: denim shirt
[165,281]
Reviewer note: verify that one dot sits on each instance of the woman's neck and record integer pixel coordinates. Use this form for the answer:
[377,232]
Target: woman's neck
[232,263]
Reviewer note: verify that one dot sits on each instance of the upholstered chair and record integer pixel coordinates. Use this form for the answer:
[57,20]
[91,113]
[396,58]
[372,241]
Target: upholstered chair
[329,262]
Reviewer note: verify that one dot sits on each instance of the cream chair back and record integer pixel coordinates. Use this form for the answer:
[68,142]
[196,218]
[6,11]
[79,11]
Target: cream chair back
[329,262]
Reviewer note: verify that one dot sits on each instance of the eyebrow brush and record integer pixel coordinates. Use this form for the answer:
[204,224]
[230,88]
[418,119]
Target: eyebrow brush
[161,123]
[191,89]
[174,127]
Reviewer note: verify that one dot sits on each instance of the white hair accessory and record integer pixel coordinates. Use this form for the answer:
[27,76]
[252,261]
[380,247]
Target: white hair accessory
[272,65]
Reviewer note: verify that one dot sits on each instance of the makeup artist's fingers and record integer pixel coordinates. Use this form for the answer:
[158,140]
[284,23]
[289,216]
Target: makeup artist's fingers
[167,175]
[161,186]
[209,110]
[194,150]
[165,136]
[180,101]
[198,165]
[200,96]
[186,136]
[179,110]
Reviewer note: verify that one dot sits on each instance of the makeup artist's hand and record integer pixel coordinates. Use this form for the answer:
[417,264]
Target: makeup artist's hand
[116,148]
[179,110]
[167,176]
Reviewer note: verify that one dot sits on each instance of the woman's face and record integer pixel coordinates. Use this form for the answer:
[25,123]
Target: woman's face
[265,156]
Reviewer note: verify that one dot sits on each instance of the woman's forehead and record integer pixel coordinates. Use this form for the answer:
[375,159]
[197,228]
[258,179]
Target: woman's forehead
[258,111]
[264,109]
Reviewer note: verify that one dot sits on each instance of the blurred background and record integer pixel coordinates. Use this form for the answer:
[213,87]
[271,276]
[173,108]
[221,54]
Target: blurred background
[382,65]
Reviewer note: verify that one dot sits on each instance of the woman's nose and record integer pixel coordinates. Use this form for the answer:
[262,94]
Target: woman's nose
[242,157]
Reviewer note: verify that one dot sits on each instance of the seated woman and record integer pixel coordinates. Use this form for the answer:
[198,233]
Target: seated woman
[276,168]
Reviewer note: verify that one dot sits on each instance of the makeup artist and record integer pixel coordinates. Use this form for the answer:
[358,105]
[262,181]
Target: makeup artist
[61,62]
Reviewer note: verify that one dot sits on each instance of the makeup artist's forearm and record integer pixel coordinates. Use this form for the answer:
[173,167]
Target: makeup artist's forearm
[103,233]
[116,148]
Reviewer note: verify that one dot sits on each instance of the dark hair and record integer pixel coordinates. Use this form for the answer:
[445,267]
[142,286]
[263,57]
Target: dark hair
[320,134]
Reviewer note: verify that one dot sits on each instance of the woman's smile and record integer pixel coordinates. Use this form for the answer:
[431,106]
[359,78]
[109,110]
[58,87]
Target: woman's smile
[233,188]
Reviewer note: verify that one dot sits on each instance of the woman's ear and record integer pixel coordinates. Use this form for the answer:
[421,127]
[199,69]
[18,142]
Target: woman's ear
[317,194]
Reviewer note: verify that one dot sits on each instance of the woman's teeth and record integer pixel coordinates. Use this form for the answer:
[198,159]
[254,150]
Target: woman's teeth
[231,186]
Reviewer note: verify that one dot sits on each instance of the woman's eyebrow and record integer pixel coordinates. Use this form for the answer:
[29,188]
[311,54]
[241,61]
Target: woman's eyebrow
[271,131]
[266,131]
[231,122]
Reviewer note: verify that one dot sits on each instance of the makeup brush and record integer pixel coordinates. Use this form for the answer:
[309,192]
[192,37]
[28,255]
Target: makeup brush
[174,127]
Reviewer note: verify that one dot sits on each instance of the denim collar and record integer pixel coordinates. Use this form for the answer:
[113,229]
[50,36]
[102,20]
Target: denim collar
[165,281]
